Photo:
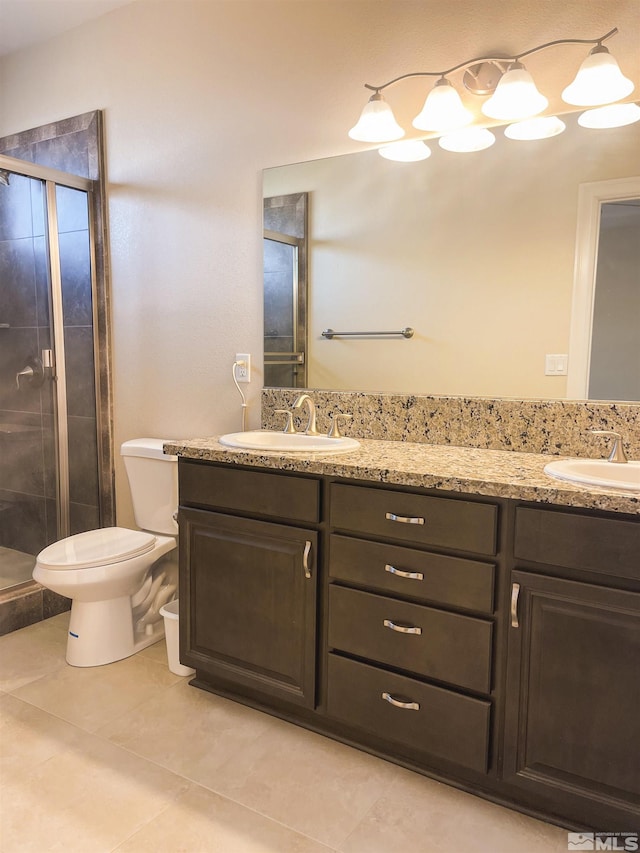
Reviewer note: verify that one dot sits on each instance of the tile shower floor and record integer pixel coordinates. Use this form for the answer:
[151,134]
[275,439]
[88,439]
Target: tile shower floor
[129,758]
[15,567]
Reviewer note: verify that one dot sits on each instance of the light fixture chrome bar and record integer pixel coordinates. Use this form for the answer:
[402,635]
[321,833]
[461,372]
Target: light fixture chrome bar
[330,334]
[60,381]
[471,62]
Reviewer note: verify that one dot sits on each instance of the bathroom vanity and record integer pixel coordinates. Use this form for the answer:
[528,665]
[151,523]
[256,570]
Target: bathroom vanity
[450,609]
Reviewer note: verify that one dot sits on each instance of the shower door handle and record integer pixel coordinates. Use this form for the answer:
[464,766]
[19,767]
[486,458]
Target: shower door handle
[48,364]
[32,372]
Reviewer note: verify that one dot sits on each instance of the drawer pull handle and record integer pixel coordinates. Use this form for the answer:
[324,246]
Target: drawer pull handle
[305,559]
[515,592]
[398,703]
[414,576]
[402,629]
[403,519]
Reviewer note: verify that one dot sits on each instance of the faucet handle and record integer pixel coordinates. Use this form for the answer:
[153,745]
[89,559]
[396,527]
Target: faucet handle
[334,431]
[289,427]
[617,450]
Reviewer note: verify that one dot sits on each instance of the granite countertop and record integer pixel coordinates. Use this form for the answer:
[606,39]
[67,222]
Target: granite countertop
[495,473]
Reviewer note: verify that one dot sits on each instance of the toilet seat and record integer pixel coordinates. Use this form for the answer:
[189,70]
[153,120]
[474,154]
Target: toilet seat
[96,548]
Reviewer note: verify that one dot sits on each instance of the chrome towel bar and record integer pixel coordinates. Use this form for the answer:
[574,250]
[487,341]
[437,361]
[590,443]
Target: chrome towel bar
[329,333]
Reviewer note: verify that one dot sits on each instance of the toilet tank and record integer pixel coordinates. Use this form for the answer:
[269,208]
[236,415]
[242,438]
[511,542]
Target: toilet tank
[153,481]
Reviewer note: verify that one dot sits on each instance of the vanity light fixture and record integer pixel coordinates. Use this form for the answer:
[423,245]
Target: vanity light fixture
[443,110]
[541,127]
[467,140]
[406,151]
[599,81]
[513,93]
[377,122]
[515,97]
[613,115]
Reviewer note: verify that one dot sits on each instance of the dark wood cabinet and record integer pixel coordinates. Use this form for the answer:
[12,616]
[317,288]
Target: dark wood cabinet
[413,518]
[381,616]
[572,738]
[410,712]
[428,642]
[248,603]
[409,659]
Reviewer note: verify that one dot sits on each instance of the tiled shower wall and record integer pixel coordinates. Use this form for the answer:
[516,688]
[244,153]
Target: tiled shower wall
[27,452]
[27,457]
[26,421]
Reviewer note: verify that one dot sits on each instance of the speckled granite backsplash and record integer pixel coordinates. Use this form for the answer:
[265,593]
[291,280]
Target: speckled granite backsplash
[557,427]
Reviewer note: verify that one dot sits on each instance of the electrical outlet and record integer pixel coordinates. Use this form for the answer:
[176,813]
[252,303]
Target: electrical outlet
[243,369]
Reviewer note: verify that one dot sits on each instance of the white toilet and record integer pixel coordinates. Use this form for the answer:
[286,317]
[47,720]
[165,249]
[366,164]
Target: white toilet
[118,579]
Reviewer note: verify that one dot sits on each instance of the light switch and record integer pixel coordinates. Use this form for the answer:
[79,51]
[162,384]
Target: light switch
[555,364]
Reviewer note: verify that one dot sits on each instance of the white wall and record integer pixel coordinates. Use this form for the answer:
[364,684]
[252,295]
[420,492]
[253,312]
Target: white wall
[199,96]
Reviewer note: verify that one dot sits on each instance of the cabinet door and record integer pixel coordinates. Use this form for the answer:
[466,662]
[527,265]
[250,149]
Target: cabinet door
[249,603]
[573,699]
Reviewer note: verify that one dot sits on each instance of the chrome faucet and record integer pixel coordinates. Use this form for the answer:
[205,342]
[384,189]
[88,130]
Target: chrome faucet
[311,423]
[617,450]
[289,427]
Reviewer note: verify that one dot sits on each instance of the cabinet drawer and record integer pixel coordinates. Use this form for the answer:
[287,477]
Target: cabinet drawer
[438,722]
[418,519]
[260,492]
[446,646]
[575,541]
[418,574]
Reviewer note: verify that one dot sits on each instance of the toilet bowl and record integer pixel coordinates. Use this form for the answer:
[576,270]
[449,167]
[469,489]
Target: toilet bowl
[118,579]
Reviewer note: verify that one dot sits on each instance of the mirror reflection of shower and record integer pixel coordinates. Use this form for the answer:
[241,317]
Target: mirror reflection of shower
[285,290]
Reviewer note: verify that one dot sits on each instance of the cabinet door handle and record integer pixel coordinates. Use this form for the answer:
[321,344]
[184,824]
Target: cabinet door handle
[403,519]
[402,629]
[305,559]
[515,592]
[398,703]
[414,576]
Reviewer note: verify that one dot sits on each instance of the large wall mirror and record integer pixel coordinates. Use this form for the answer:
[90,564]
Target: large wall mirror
[477,253]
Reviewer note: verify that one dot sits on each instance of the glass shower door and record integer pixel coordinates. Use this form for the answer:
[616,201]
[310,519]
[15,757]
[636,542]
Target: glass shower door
[28,502]
[49,485]
[284,359]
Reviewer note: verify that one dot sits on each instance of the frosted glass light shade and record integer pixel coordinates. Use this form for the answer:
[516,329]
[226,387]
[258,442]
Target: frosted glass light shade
[613,115]
[443,109]
[409,151]
[515,97]
[541,127]
[468,140]
[377,122]
[598,81]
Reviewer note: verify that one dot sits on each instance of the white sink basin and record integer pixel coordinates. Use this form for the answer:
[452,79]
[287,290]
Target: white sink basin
[597,472]
[266,439]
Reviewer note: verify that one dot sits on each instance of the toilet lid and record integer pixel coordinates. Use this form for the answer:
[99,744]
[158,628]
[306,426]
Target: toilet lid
[96,548]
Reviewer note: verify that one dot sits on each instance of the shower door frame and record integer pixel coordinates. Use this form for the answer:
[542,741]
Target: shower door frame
[51,179]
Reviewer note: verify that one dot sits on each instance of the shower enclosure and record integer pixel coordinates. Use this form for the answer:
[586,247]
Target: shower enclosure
[49,417]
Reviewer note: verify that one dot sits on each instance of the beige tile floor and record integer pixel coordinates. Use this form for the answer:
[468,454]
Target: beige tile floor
[130,758]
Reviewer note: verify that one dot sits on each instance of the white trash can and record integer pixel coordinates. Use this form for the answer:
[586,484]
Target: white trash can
[172,636]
